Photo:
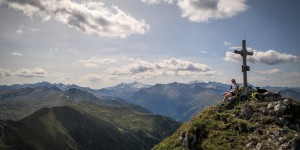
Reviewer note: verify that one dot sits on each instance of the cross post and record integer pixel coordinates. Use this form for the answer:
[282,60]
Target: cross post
[243,52]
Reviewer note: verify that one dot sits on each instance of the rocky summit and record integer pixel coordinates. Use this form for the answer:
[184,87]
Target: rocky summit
[256,121]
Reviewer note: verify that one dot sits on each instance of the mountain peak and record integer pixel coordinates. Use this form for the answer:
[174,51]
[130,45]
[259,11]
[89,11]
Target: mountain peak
[195,82]
[134,84]
[271,122]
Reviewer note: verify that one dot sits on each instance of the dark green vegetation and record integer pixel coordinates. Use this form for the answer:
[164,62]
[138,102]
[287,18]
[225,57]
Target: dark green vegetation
[75,119]
[217,128]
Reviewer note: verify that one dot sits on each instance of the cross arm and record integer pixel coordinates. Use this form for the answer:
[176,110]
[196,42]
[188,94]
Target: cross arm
[238,52]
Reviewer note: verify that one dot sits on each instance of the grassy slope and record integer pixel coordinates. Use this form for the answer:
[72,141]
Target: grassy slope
[130,120]
[222,128]
[83,125]
[19,103]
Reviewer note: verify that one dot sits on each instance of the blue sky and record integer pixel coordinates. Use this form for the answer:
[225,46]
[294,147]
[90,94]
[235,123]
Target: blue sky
[105,42]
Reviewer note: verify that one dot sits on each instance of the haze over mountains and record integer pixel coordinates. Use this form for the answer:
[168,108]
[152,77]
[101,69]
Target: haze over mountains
[59,116]
[179,101]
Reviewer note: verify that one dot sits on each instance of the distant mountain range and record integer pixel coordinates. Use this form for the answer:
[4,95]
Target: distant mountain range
[177,100]
[59,116]
[49,118]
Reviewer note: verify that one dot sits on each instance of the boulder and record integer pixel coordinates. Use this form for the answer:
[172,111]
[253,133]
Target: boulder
[279,107]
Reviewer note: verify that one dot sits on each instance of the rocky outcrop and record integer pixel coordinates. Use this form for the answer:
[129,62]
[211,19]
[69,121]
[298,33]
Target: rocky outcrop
[293,144]
[189,140]
[272,122]
[279,107]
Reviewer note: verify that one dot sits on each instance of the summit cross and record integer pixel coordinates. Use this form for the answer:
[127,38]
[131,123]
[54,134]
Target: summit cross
[243,52]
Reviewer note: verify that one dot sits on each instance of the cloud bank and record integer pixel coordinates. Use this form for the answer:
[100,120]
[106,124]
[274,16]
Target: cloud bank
[158,1]
[26,73]
[92,78]
[95,61]
[272,71]
[227,43]
[88,17]
[270,57]
[17,54]
[5,73]
[167,67]
[30,73]
[206,10]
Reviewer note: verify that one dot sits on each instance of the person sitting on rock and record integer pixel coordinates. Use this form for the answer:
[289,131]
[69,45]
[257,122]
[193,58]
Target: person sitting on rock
[232,92]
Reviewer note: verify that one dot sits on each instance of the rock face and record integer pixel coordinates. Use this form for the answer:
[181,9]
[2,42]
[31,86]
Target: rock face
[254,124]
[189,140]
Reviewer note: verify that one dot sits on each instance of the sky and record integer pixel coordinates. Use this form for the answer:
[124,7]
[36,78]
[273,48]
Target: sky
[101,43]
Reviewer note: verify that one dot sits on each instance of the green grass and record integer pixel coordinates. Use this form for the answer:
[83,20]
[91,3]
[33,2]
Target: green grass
[224,132]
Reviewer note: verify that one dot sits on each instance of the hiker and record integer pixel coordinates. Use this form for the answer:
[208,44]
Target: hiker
[232,92]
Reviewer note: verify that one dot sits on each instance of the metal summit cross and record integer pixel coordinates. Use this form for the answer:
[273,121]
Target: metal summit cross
[243,52]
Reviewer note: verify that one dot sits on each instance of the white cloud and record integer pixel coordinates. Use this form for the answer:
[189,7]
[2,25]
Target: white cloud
[20,30]
[27,73]
[30,73]
[92,78]
[34,29]
[158,1]
[272,71]
[17,54]
[23,29]
[166,67]
[207,10]
[270,57]
[203,51]
[259,80]
[295,74]
[5,73]
[227,43]
[88,17]
[294,78]
[74,51]
[95,61]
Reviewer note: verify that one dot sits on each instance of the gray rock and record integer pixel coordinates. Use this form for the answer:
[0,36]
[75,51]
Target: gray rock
[183,140]
[250,144]
[258,146]
[281,139]
[276,133]
[181,137]
[271,105]
[287,103]
[293,144]
[246,113]
[280,108]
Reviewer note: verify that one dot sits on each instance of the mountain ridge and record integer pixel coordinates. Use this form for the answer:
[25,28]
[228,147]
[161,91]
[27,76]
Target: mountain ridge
[67,128]
[179,108]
